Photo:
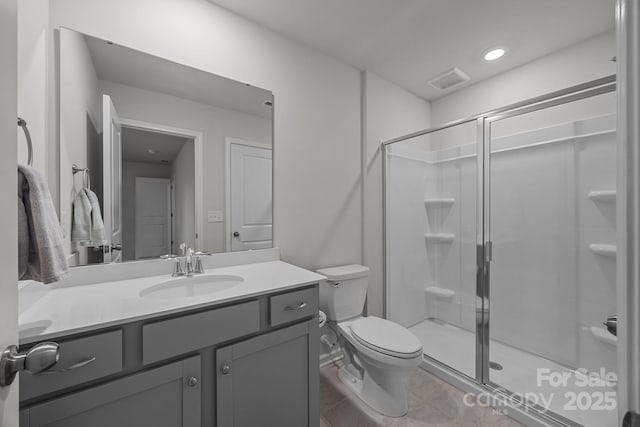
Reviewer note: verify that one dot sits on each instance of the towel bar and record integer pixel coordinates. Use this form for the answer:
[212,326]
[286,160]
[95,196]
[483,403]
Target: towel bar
[86,179]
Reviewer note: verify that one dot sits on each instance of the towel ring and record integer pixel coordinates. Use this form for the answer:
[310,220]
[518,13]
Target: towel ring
[23,124]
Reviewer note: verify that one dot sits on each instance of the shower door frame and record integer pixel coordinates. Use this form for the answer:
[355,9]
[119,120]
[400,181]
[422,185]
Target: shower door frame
[483,232]
[578,93]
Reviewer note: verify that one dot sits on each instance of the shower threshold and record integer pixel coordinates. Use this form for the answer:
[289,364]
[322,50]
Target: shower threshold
[455,347]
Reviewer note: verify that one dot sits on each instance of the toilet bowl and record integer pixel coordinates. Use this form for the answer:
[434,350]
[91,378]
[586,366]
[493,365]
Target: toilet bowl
[380,355]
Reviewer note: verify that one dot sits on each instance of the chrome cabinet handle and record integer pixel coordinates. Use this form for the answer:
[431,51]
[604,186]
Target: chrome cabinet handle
[296,308]
[225,369]
[78,365]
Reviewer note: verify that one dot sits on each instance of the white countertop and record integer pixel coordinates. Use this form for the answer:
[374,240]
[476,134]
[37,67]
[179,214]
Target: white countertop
[54,312]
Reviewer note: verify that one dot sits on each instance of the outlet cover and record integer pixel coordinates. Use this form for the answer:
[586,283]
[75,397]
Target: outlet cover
[214,216]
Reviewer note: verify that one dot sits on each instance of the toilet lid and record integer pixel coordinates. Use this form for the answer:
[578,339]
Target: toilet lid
[386,337]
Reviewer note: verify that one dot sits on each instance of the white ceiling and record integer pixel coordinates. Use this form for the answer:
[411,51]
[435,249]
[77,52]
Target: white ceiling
[136,143]
[130,67]
[410,41]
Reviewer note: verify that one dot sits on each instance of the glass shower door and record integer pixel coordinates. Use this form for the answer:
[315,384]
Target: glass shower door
[552,231]
[430,239]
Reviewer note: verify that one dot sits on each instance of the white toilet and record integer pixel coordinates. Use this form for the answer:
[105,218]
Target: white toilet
[380,355]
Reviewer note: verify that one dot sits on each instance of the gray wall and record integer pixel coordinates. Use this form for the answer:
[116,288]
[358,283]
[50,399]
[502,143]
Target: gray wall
[185,197]
[317,110]
[389,111]
[80,110]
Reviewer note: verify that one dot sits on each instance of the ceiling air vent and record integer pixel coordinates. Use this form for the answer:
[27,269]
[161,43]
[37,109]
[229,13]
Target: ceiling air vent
[448,79]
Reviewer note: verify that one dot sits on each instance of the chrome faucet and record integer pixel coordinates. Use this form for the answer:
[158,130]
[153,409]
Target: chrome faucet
[192,262]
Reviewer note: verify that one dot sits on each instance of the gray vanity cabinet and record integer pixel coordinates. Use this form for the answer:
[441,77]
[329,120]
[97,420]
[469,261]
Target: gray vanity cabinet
[168,396]
[250,363]
[270,380]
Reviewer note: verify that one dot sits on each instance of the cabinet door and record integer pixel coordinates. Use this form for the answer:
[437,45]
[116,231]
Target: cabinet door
[270,380]
[167,396]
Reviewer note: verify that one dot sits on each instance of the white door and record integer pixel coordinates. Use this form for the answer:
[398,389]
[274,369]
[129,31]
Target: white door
[153,217]
[250,197]
[112,170]
[8,211]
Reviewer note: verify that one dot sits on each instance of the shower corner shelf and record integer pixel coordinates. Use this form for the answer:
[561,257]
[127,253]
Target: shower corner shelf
[439,237]
[444,202]
[602,335]
[604,196]
[438,292]
[603,250]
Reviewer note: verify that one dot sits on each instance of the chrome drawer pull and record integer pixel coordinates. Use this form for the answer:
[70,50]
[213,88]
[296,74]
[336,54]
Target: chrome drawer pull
[78,365]
[296,308]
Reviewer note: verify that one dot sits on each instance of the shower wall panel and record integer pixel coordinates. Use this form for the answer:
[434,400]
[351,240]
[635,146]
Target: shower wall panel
[409,268]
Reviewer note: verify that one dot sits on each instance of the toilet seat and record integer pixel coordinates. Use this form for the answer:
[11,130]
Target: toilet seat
[386,337]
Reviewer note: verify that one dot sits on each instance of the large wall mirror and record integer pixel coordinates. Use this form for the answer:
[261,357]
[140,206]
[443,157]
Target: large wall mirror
[154,154]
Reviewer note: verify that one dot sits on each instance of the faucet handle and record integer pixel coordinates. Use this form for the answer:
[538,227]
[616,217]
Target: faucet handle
[198,269]
[177,268]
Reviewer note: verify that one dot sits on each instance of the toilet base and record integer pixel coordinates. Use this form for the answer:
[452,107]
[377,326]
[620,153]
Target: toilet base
[389,399]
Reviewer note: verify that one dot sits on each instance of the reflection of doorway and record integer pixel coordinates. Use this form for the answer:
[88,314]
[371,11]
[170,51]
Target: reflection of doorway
[249,190]
[154,228]
[155,166]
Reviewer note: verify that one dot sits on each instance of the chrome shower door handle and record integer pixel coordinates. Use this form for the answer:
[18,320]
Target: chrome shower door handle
[612,325]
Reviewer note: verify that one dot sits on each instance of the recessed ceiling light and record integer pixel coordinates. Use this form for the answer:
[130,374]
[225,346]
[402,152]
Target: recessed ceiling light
[152,151]
[494,54]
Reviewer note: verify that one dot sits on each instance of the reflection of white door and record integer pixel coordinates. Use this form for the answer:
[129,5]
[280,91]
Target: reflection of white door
[112,180]
[250,197]
[153,217]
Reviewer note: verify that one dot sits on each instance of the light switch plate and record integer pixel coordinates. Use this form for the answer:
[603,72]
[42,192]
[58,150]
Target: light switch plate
[214,216]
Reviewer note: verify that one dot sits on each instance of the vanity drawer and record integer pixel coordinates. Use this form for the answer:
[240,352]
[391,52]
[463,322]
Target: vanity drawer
[292,306]
[106,348]
[168,338]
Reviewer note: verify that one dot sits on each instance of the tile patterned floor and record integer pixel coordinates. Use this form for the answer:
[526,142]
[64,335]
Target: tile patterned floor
[432,402]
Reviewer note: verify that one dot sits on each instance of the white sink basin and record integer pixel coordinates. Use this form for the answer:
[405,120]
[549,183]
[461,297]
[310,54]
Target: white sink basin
[194,286]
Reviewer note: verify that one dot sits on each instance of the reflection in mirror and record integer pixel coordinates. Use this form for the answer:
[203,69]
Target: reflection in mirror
[165,154]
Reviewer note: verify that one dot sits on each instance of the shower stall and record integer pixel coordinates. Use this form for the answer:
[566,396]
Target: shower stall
[500,251]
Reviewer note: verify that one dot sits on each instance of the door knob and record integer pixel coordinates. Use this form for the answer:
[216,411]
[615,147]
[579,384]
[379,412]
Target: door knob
[39,358]
[236,234]
[612,325]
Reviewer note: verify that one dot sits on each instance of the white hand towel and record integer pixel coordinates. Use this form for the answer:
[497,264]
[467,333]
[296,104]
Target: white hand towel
[46,259]
[97,225]
[81,227]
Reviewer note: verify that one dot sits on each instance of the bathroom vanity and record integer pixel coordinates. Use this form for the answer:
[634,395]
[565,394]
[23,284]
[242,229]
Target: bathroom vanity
[241,356]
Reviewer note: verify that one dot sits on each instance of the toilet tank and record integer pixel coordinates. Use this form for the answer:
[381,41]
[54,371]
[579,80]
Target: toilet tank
[343,294]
